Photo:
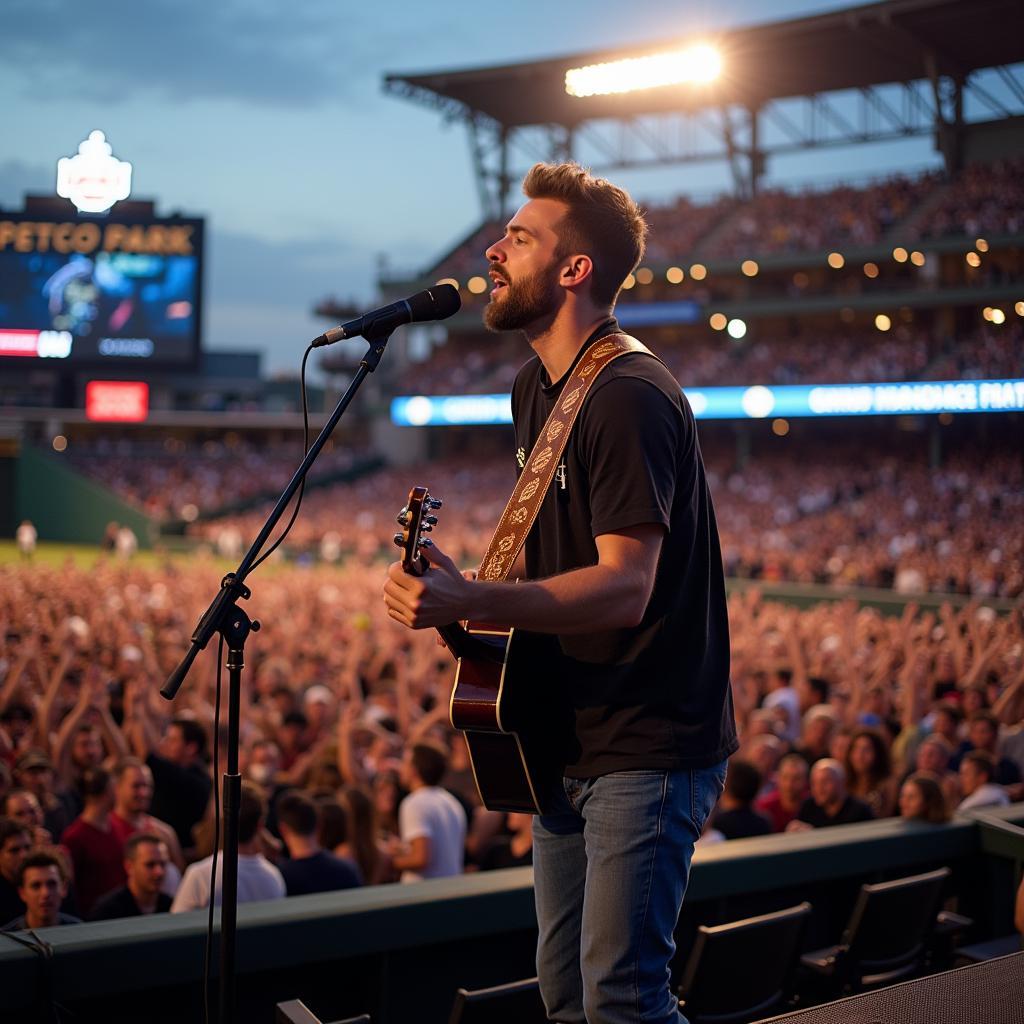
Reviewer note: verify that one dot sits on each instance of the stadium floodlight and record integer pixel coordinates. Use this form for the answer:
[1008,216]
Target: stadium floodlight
[696,65]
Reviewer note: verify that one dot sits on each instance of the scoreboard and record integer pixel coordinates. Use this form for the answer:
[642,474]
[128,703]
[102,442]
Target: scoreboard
[100,291]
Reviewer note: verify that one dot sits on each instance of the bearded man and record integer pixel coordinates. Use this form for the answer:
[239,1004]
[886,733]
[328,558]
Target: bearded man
[621,576]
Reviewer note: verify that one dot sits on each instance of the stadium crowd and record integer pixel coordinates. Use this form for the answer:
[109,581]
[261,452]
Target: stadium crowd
[168,480]
[352,774]
[827,513]
[984,199]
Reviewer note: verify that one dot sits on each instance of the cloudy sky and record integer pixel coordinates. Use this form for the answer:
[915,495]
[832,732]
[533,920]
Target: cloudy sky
[268,119]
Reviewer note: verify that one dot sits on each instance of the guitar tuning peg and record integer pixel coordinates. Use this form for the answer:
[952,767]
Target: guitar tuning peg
[434,502]
[399,540]
[430,520]
[426,542]
[403,517]
[426,528]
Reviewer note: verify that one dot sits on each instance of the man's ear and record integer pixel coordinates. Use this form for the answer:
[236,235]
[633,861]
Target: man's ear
[577,270]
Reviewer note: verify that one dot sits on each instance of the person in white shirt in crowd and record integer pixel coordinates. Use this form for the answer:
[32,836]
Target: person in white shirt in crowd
[977,769]
[431,822]
[258,879]
[26,536]
[781,694]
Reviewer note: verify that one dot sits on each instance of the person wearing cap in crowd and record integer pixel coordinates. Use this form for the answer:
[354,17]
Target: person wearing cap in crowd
[34,771]
[145,868]
[42,885]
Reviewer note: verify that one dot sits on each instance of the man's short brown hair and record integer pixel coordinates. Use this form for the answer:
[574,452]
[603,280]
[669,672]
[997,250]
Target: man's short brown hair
[602,221]
[430,762]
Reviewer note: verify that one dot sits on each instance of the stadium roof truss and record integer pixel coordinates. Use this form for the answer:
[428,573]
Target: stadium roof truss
[885,71]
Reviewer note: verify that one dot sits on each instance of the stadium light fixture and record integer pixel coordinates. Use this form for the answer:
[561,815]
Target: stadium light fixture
[836,260]
[882,322]
[695,65]
[1019,308]
[749,268]
[973,259]
[981,245]
[674,275]
[477,285]
[998,316]
[917,258]
[899,254]
[644,275]
[698,271]
[629,282]
[718,321]
[871,270]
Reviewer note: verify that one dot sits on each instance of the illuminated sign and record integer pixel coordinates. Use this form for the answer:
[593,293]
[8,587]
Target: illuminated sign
[119,289]
[94,179]
[756,402]
[88,237]
[42,344]
[116,401]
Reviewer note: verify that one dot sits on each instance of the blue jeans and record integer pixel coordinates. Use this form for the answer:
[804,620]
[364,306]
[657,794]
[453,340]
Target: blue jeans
[610,871]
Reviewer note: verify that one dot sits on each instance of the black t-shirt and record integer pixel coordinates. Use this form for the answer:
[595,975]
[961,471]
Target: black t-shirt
[121,903]
[180,795]
[323,872]
[853,810]
[656,695]
[741,823]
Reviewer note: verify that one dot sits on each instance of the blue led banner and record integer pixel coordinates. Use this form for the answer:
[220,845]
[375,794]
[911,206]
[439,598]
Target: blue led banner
[756,402]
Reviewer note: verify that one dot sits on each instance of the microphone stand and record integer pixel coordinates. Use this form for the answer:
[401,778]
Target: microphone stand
[231,622]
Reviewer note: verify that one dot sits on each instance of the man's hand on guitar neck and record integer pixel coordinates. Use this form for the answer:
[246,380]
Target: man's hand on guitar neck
[613,594]
[435,598]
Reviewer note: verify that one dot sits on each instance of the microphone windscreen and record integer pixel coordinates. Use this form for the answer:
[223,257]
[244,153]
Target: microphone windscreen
[447,300]
[437,303]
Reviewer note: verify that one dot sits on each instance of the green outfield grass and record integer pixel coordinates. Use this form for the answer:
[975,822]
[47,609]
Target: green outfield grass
[82,555]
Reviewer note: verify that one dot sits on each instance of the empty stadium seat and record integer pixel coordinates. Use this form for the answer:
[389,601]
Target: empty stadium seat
[743,971]
[518,1002]
[886,939]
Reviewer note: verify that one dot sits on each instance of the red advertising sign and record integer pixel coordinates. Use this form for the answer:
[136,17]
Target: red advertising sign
[116,401]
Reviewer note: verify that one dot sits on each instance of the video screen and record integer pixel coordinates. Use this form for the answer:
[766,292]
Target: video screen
[101,293]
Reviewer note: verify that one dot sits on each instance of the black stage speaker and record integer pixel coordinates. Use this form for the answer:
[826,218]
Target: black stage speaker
[986,993]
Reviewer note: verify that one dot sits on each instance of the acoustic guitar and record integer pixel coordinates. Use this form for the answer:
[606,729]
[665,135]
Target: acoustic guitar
[498,699]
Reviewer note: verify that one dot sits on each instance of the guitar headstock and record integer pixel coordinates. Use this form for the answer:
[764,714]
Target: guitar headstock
[416,519]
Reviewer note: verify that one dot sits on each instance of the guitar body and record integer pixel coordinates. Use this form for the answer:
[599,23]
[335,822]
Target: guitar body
[498,704]
[503,698]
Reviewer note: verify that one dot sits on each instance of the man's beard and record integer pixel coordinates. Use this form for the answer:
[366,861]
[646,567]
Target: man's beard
[526,301]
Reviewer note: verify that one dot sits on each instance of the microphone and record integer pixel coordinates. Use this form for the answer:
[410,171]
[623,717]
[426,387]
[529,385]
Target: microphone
[437,303]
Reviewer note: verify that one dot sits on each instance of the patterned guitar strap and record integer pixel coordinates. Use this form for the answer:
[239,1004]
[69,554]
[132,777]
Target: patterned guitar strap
[539,469]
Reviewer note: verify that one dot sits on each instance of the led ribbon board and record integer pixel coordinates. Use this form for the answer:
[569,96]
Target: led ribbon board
[756,402]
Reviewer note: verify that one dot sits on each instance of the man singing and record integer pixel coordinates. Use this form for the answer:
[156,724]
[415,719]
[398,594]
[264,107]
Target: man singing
[622,570]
